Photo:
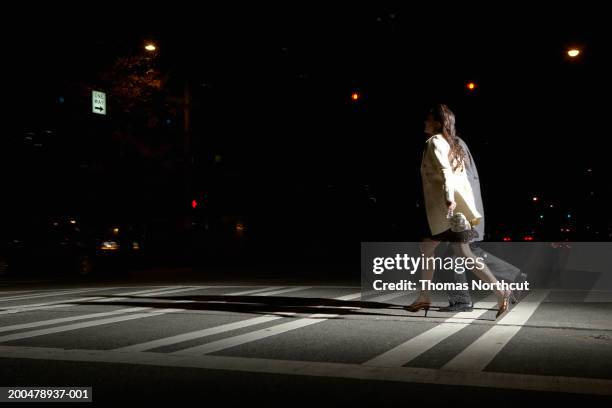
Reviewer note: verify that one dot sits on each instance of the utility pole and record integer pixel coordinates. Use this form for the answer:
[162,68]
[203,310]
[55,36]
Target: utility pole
[188,156]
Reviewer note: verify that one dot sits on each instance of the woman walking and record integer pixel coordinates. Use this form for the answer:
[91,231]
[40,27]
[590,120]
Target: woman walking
[449,203]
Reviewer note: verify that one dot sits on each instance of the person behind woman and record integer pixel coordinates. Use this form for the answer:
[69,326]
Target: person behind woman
[447,190]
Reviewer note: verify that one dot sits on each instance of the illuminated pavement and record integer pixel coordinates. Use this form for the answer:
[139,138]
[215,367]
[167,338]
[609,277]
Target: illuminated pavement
[322,343]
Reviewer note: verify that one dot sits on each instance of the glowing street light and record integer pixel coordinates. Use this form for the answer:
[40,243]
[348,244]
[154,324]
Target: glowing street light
[471,86]
[150,47]
[573,52]
[355,96]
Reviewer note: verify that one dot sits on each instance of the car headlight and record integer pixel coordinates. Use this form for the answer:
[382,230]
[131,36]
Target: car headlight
[109,246]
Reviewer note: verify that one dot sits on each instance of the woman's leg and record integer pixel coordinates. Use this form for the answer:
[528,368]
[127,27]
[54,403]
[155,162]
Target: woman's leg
[463,250]
[428,249]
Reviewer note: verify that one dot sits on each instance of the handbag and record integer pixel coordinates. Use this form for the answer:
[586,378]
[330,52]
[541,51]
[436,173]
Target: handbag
[459,222]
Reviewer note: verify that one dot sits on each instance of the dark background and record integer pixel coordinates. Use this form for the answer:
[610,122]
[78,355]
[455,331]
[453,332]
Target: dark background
[276,139]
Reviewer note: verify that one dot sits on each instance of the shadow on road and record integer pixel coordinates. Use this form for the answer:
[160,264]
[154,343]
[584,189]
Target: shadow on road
[264,305]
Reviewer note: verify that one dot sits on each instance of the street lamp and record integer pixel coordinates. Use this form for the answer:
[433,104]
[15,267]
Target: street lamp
[150,47]
[573,52]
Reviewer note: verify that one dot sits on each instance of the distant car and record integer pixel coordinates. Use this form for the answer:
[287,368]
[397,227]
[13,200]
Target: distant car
[68,244]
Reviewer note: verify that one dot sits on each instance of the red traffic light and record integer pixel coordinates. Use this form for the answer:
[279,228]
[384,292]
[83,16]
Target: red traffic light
[194,204]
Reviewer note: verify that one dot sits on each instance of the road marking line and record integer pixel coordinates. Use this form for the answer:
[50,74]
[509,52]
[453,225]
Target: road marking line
[278,292]
[76,326]
[15,292]
[50,322]
[252,291]
[59,329]
[69,319]
[198,334]
[93,300]
[58,293]
[252,336]
[411,349]
[481,352]
[166,341]
[263,333]
[523,382]
[158,292]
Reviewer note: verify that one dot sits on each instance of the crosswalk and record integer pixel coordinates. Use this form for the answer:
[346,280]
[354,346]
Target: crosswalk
[481,352]
[29,319]
[411,349]
[263,333]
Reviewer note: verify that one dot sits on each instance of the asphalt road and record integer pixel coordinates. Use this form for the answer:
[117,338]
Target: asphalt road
[174,335]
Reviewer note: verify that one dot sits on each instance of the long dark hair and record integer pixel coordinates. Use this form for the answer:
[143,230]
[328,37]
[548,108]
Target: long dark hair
[446,118]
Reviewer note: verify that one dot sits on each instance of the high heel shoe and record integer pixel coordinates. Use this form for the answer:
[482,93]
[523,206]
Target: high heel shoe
[416,306]
[506,299]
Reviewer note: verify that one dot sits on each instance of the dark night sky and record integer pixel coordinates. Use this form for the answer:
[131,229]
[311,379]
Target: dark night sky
[276,101]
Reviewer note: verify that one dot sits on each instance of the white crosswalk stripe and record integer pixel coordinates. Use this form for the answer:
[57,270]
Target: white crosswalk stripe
[215,330]
[93,323]
[52,294]
[254,291]
[21,292]
[263,333]
[467,368]
[51,322]
[76,326]
[199,334]
[286,290]
[95,299]
[149,292]
[482,351]
[228,327]
[61,303]
[411,349]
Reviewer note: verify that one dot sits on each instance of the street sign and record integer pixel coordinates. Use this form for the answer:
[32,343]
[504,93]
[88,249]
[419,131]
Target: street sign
[98,102]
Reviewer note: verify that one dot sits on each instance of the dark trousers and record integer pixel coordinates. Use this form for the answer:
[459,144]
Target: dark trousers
[501,269]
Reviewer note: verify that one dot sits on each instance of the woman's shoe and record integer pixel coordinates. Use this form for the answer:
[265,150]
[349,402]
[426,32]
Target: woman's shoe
[503,308]
[416,306]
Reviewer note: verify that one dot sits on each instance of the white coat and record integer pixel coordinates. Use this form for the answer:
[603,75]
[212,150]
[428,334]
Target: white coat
[442,184]
[474,179]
